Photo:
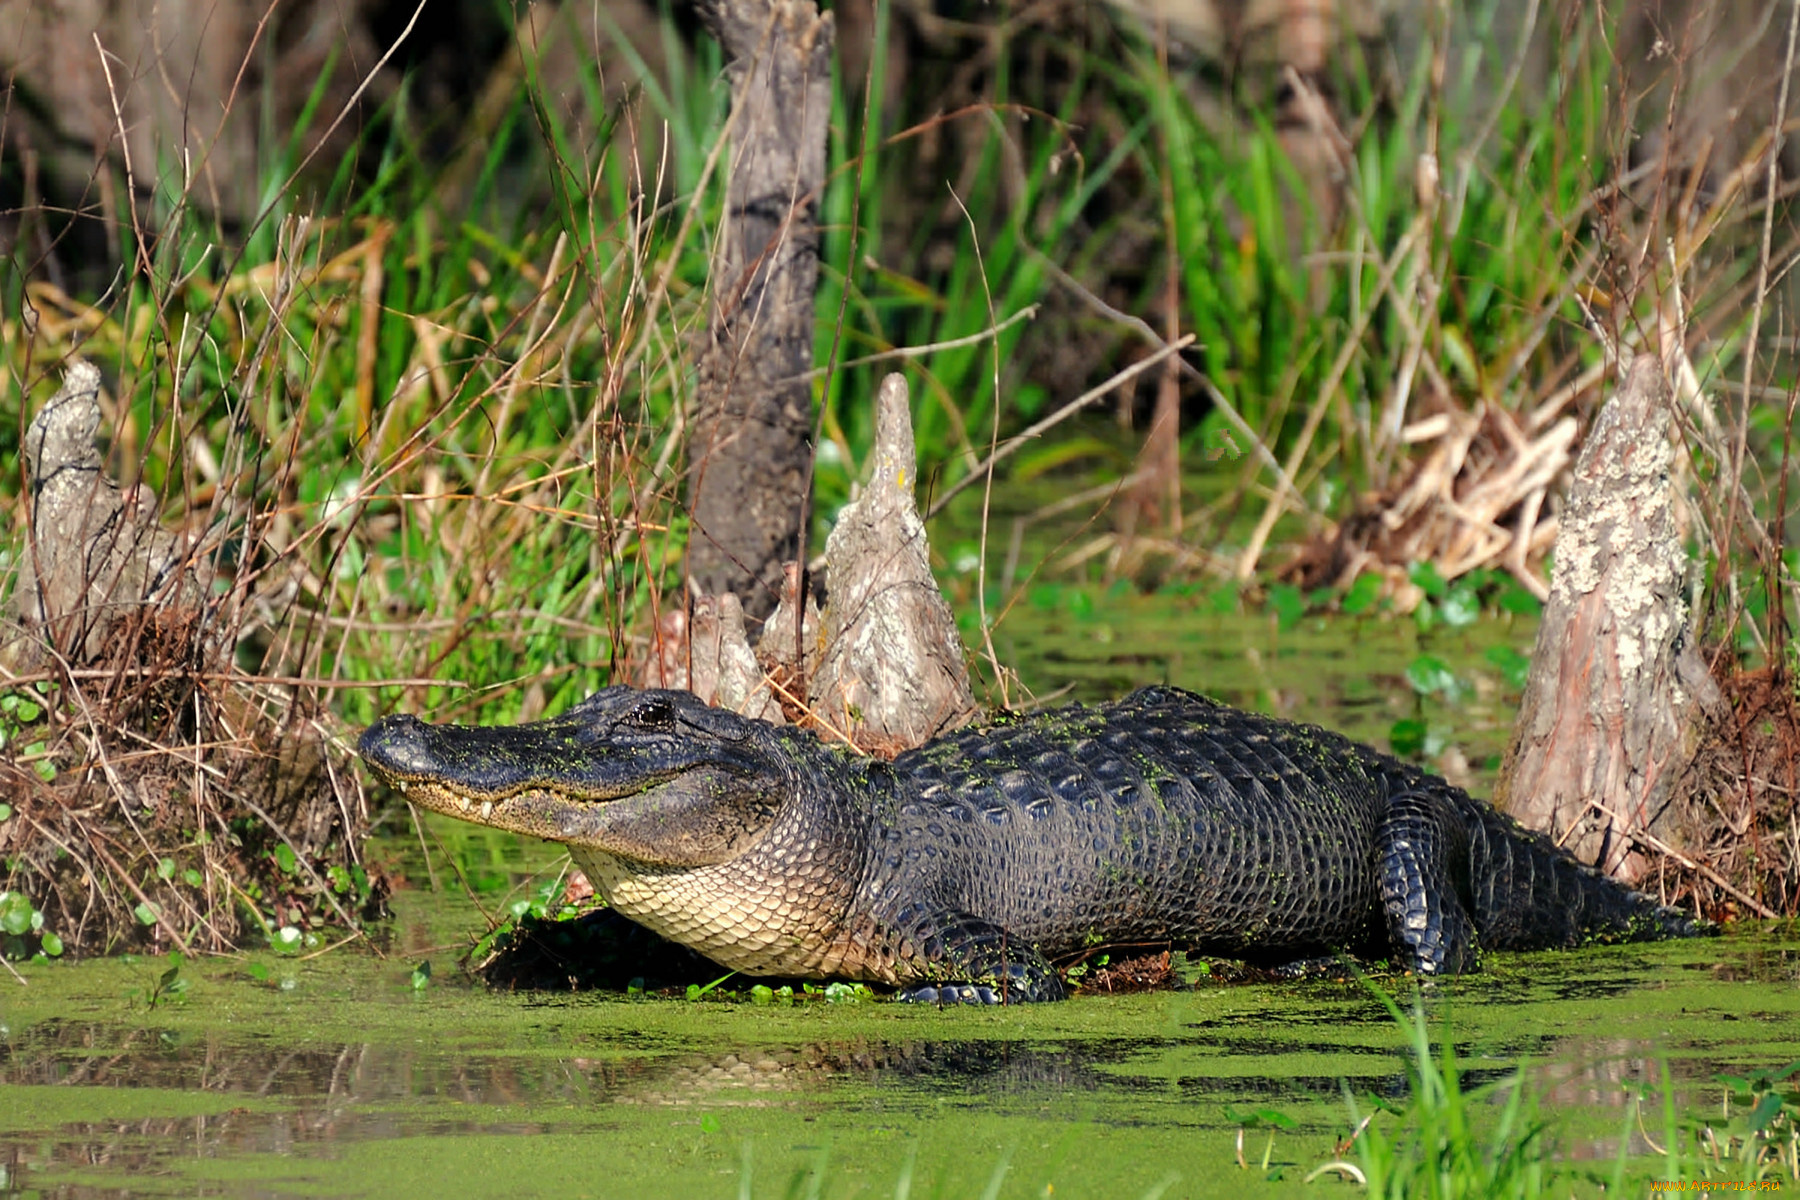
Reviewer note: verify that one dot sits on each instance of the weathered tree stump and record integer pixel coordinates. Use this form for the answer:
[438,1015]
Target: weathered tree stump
[148,755]
[97,565]
[790,648]
[882,667]
[750,453]
[1618,698]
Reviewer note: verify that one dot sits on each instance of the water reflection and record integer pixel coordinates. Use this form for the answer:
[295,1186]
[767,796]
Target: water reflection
[269,1098]
[148,1109]
[69,1054]
[266,1097]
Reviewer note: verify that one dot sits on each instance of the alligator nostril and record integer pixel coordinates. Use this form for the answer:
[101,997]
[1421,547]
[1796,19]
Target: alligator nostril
[398,743]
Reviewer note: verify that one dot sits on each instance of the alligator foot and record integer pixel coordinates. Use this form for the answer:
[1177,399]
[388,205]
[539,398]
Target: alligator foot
[1000,968]
[1418,840]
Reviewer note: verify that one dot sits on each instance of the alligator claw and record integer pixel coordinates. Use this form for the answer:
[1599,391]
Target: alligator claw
[950,993]
[1325,966]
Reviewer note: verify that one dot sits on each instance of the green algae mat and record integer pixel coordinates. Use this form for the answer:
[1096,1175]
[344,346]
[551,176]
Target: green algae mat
[338,1077]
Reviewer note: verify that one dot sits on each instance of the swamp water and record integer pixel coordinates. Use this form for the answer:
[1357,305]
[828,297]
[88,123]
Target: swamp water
[335,1075]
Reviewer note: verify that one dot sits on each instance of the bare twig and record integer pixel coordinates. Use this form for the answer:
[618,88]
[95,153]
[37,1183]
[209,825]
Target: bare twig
[1010,445]
[986,471]
[1145,331]
[1762,264]
[1029,312]
[801,706]
[1661,847]
[339,944]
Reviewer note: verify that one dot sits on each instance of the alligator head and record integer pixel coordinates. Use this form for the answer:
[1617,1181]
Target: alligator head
[651,777]
[714,830]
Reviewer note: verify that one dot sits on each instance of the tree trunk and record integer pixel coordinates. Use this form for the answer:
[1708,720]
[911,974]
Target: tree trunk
[750,453]
[1618,696]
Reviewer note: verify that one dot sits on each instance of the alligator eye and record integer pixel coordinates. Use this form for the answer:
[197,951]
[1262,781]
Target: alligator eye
[656,714]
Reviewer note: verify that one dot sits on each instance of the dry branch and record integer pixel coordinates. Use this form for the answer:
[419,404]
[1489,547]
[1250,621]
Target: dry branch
[1475,499]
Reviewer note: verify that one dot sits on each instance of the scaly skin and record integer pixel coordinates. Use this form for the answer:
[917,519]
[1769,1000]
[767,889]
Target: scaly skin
[962,870]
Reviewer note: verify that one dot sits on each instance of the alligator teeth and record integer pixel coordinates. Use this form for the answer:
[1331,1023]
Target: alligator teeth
[464,801]
[487,809]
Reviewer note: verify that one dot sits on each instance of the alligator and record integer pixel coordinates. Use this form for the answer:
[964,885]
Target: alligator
[963,870]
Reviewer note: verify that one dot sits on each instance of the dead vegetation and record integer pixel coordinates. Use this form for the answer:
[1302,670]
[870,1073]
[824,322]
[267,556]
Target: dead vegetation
[158,798]
[1479,493]
[1740,851]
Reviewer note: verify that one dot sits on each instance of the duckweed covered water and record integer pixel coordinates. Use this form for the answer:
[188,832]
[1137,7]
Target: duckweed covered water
[336,1076]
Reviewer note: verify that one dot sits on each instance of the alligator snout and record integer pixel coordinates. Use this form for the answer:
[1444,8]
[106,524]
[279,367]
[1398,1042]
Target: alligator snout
[398,745]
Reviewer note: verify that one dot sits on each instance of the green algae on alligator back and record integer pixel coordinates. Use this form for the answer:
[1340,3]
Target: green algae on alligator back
[964,869]
[347,1082]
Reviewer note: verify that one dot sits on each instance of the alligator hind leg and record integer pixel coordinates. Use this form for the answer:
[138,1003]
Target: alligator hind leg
[962,959]
[1415,849]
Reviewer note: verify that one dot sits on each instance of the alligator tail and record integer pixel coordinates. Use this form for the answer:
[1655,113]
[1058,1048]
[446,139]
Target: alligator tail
[1528,893]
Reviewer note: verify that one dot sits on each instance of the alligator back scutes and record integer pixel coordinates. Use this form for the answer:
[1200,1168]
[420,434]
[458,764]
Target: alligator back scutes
[1163,817]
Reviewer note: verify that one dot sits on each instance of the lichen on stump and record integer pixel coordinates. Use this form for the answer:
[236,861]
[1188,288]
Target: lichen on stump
[157,800]
[1618,698]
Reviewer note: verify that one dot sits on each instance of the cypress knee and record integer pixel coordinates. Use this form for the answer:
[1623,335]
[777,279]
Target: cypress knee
[1618,695]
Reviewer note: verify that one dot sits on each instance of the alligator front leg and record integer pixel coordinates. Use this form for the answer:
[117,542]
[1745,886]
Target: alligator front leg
[1414,849]
[962,959]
